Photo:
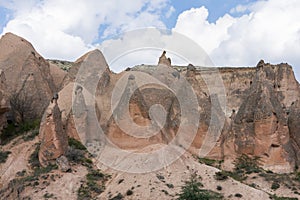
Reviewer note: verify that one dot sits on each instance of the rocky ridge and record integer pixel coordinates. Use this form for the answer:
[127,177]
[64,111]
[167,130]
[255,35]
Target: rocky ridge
[261,117]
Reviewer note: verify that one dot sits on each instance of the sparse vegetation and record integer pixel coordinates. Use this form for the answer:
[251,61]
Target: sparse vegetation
[62,64]
[23,105]
[77,153]
[32,177]
[119,196]
[93,186]
[76,144]
[275,186]
[211,162]
[48,196]
[221,175]
[31,135]
[4,155]
[192,191]
[12,131]
[247,165]
[244,165]
[297,176]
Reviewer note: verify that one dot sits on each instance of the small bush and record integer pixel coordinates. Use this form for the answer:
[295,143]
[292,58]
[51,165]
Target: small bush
[238,195]
[119,196]
[221,175]
[170,185]
[4,156]
[275,186]
[297,176]
[48,196]
[246,164]
[31,135]
[192,191]
[76,144]
[83,193]
[210,162]
[95,175]
[75,155]
[129,192]
[34,157]
[93,186]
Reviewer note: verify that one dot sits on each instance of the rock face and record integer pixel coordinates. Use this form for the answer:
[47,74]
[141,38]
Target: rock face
[260,126]
[54,140]
[260,118]
[28,79]
[4,105]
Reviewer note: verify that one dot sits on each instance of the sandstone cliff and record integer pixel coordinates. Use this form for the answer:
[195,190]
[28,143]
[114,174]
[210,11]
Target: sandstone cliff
[258,120]
[147,108]
[28,78]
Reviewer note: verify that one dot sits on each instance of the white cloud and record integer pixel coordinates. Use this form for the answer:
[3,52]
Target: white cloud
[193,23]
[170,12]
[144,46]
[67,29]
[270,31]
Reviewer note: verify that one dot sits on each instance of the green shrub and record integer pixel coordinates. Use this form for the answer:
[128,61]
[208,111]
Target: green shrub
[192,191]
[31,135]
[129,192]
[34,157]
[76,144]
[119,196]
[4,156]
[95,175]
[221,175]
[248,165]
[83,193]
[48,196]
[275,186]
[297,176]
[12,131]
[210,162]
[93,186]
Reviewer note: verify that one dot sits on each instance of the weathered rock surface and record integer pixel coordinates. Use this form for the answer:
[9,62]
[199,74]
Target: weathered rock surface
[54,139]
[260,119]
[28,77]
[101,108]
[260,126]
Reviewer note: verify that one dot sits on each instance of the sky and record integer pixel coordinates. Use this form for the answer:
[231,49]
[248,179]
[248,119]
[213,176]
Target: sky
[231,32]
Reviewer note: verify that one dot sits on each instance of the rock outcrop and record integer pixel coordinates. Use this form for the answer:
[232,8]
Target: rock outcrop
[163,60]
[54,139]
[260,126]
[260,119]
[28,77]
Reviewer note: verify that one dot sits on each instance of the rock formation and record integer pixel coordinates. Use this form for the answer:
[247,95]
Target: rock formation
[261,116]
[28,77]
[52,135]
[163,60]
[260,126]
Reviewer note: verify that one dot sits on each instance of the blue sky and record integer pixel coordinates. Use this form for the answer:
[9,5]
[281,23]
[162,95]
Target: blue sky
[232,32]
[217,9]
